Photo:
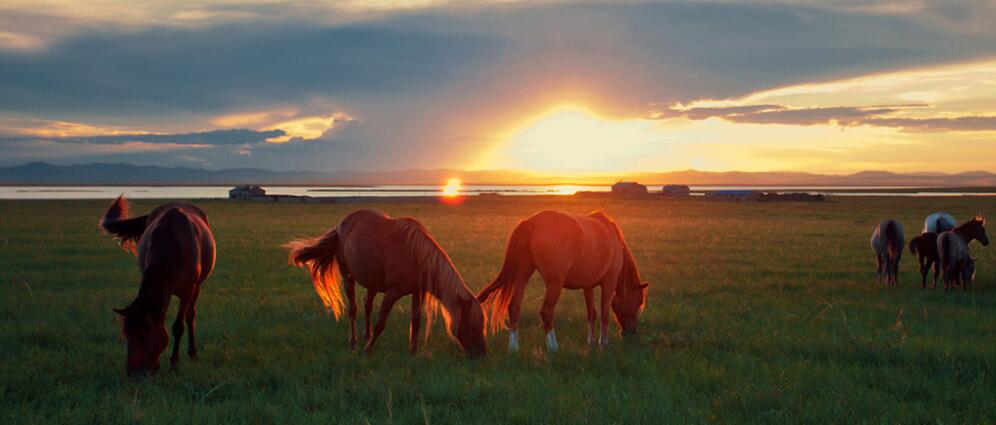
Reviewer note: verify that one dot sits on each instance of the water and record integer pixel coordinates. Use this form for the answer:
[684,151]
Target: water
[218,192]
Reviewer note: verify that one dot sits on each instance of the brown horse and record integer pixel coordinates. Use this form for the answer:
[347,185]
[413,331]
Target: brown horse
[924,246]
[574,252]
[952,247]
[175,254]
[395,256]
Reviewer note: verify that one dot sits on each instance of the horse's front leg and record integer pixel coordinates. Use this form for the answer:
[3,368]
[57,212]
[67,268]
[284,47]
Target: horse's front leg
[924,269]
[589,303]
[181,314]
[386,305]
[349,284]
[937,270]
[416,322]
[608,292]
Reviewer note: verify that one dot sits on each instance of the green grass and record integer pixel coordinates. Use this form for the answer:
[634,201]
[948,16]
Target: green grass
[758,313]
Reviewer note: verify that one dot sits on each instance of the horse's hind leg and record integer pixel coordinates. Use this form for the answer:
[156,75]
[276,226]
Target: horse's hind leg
[386,305]
[191,320]
[937,270]
[589,303]
[368,307]
[181,315]
[349,286]
[924,269]
[553,289]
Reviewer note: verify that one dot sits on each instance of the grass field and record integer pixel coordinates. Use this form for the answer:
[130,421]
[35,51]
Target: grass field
[758,313]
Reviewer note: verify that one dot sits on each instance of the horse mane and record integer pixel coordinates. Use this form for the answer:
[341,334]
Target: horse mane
[438,279]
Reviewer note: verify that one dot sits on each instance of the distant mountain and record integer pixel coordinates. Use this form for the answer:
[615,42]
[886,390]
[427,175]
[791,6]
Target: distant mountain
[40,173]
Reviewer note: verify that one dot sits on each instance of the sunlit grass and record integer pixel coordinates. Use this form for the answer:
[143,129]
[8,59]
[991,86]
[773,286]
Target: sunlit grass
[758,313]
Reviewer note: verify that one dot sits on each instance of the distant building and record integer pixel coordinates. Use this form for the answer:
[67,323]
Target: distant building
[246,192]
[676,190]
[629,188]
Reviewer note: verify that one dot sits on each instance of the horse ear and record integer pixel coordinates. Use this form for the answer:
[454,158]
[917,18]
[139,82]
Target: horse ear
[121,311]
[644,285]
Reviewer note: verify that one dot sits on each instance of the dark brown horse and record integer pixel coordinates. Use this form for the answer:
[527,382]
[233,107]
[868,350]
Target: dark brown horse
[924,246]
[952,247]
[397,257]
[574,252]
[175,254]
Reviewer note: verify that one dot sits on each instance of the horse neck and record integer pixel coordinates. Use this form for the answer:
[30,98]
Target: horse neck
[153,295]
[965,233]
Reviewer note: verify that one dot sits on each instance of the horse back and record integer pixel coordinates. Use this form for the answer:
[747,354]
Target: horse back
[178,243]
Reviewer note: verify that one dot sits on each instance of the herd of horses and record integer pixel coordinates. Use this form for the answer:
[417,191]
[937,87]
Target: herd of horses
[392,256]
[941,246]
[397,257]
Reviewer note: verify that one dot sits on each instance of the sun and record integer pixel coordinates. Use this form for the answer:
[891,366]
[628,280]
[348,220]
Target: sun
[452,188]
[573,138]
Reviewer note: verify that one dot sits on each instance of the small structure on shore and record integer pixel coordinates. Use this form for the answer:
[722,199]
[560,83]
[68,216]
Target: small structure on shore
[790,197]
[676,190]
[245,192]
[629,188]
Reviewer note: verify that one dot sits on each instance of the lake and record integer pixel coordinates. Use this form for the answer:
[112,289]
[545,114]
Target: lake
[215,192]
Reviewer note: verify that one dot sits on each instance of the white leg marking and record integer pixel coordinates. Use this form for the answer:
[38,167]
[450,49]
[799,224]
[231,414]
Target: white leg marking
[513,341]
[551,341]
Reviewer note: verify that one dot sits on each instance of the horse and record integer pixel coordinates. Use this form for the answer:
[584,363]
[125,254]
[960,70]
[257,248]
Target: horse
[574,252]
[952,248]
[924,246]
[176,253]
[397,257]
[939,222]
[887,241]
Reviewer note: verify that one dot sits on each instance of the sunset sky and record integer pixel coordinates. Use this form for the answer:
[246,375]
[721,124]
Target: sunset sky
[557,87]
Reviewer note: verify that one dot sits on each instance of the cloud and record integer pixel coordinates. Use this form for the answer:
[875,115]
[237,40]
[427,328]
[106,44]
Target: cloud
[844,116]
[204,138]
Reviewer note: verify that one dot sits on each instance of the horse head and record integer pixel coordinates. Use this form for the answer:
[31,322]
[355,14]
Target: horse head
[979,229]
[627,306]
[146,340]
[468,326]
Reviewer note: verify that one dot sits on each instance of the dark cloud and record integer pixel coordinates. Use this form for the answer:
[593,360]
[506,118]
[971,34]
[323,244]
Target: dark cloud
[876,116]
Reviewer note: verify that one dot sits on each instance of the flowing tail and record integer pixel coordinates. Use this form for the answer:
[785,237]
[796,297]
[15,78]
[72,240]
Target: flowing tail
[127,230]
[913,243]
[501,289]
[319,255]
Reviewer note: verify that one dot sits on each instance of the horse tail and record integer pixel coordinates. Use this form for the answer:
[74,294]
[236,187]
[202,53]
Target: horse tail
[117,222]
[501,289]
[320,256]
[913,243]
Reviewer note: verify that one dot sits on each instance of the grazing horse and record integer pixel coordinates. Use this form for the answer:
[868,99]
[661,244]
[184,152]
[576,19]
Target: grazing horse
[939,222]
[952,248]
[574,252]
[176,254]
[924,246]
[888,241]
[395,256]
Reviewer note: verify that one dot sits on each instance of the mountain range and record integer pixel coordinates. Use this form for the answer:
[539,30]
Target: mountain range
[40,173]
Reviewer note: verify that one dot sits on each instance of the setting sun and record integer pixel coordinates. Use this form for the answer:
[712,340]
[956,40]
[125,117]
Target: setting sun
[452,188]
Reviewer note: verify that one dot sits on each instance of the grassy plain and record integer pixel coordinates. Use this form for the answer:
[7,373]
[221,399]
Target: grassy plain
[758,313]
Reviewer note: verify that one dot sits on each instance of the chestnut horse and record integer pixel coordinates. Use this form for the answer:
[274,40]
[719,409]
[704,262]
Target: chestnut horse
[175,254]
[574,252]
[952,248]
[395,256]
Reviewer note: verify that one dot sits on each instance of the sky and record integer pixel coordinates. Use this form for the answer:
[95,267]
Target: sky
[548,87]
